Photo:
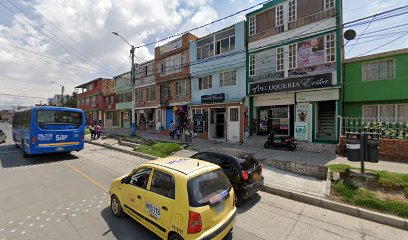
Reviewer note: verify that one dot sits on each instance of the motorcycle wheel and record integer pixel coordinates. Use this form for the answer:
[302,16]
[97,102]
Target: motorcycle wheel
[267,144]
[291,147]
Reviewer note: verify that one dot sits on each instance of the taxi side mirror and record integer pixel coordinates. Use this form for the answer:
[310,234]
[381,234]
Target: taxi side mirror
[125,180]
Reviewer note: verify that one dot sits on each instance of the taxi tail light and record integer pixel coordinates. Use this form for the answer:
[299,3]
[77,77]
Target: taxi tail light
[245,175]
[33,140]
[194,223]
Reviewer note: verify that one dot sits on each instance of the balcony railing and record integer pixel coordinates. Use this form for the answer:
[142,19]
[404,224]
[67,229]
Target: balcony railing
[311,19]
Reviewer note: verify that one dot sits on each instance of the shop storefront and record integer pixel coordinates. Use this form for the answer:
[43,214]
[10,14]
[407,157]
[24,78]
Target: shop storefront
[218,118]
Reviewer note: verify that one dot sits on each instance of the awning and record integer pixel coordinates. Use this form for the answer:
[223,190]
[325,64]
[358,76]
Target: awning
[229,100]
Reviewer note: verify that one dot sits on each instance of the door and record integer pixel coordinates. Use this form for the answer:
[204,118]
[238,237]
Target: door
[159,202]
[211,127]
[326,120]
[135,192]
[220,125]
[233,124]
[169,117]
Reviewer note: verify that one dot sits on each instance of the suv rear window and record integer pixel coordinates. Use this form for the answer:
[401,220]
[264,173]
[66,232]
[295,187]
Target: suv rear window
[247,161]
[205,186]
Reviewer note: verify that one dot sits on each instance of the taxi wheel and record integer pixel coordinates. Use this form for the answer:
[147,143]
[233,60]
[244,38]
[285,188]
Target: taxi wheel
[175,236]
[116,207]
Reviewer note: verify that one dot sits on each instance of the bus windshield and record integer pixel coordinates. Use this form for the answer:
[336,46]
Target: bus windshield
[57,117]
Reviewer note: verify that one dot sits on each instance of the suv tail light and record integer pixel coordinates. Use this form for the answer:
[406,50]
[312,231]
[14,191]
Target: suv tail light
[194,223]
[245,175]
[33,140]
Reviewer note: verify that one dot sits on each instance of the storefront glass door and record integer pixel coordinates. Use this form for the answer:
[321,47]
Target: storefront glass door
[274,118]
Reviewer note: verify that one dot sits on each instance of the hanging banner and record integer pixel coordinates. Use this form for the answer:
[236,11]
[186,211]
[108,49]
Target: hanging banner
[303,113]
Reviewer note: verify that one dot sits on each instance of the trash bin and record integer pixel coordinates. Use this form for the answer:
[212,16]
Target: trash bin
[373,150]
[353,150]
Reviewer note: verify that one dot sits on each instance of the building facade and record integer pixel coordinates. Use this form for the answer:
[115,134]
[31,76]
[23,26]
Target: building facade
[218,84]
[294,66]
[123,93]
[172,74]
[92,98]
[375,87]
[148,110]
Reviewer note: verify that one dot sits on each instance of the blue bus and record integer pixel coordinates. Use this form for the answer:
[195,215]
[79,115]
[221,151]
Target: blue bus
[47,129]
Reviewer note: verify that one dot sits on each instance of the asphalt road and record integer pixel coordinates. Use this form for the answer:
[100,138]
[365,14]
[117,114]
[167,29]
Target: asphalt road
[58,196]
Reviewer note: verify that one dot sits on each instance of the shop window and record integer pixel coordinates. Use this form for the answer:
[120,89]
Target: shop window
[234,116]
[275,118]
[181,89]
[279,15]
[205,82]
[378,70]
[330,47]
[279,59]
[151,93]
[292,56]
[328,4]
[252,25]
[292,10]
[251,65]
[228,78]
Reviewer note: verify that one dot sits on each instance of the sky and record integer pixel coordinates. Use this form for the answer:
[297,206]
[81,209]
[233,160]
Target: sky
[71,42]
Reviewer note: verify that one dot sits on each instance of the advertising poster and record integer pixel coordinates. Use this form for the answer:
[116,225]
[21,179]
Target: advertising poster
[303,116]
[311,52]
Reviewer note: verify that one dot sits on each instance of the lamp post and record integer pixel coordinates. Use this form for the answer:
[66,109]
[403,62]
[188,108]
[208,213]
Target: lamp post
[62,93]
[132,77]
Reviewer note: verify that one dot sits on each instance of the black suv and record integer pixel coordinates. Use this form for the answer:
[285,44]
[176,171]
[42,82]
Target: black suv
[242,169]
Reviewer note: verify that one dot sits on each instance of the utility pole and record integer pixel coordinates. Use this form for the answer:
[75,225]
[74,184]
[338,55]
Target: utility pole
[62,96]
[132,79]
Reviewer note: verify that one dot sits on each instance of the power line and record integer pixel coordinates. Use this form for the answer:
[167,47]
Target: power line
[21,96]
[372,50]
[205,25]
[368,25]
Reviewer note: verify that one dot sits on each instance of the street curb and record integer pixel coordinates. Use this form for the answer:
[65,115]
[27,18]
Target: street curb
[142,155]
[385,219]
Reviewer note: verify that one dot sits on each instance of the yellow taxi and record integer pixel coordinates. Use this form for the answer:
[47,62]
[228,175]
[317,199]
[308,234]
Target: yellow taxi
[177,198]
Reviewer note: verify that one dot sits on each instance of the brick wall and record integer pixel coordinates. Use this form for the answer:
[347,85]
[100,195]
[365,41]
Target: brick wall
[393,150]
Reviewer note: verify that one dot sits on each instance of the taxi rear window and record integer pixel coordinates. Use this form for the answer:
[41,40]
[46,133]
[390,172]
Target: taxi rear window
[201,188]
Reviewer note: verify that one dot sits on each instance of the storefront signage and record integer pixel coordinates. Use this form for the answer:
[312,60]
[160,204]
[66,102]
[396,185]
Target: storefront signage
[303,116]
[316,96]
[198,123]
[170,46]
[292,84]
[220,97]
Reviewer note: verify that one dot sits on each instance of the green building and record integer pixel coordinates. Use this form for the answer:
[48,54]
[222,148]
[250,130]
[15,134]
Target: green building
[123,92]
[376,87]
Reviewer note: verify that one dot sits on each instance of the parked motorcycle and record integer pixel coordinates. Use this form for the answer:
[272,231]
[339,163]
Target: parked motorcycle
[280,142]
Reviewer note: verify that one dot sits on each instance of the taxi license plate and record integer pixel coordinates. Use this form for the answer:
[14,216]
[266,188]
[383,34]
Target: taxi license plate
[255,176]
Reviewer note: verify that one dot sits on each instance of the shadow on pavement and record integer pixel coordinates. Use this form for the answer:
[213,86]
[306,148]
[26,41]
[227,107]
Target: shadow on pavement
[249,203]
[125,227]
[11,156]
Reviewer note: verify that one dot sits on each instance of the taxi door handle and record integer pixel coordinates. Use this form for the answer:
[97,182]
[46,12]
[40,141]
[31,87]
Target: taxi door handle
[165,208]
[139,197]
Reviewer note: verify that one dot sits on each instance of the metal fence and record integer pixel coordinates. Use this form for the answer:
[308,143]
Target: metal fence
[391,128]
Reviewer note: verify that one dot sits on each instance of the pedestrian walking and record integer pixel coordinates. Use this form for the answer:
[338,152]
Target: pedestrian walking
[98,131]
[188,135]
[178,130]
[172,129]
[92,130]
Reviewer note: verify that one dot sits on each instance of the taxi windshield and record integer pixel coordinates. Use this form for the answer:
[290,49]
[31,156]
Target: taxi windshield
[203,187]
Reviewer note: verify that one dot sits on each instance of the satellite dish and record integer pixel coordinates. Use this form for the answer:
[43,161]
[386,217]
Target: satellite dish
[350,34]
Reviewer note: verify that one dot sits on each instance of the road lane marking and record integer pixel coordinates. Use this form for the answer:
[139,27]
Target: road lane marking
[87,177]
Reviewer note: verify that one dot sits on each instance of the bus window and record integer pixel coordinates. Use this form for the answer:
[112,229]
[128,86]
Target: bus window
[45,117]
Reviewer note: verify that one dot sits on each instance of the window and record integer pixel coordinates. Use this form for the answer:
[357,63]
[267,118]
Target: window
[58,117]
[128,97]
[279,15]
[228,78]
[328,4]
[107,101]
[151,93]
[225,45]
[111,99]
[205,51]
[251,65]
[330,47]
[292,56]
[140,178]
[198,111]
[139,95]
[386,113]
[279,59]
[234,114]
[181,88]
[292,10]
[162,67]
[145,71]
[165,91]
[252,25]
[205,82]
[163,184]
[378,70]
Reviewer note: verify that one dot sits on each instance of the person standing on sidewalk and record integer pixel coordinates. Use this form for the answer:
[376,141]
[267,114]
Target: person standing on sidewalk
[172,129]
[98,131]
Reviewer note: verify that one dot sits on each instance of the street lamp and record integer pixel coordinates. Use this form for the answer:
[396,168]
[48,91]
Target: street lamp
[132,77]
[62,93]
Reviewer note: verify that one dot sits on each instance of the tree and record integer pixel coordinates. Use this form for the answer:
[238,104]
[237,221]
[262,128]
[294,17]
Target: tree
[71,100]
